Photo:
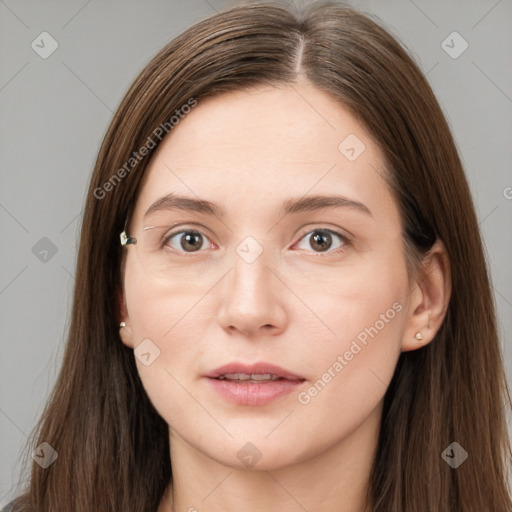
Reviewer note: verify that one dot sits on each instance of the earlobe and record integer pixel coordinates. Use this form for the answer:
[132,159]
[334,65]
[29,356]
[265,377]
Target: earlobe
[125,330]
[429,299]
[125,333]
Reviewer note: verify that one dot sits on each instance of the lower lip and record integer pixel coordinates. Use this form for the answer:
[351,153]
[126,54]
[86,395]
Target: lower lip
[247,393]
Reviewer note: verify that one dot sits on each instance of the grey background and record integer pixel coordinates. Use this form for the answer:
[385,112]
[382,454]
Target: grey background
[54,113]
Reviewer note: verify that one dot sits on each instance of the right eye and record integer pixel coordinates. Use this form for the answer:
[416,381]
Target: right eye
[190,241]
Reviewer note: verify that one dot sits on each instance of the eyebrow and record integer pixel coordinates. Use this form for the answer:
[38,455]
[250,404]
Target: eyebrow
[290,206]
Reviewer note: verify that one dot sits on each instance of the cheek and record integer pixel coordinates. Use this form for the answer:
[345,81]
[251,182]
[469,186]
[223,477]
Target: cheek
[172,322]
[160,309]
[178,325]
[351,366]
[162,330]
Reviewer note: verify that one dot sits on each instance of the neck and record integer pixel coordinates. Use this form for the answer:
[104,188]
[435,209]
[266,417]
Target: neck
[336,479]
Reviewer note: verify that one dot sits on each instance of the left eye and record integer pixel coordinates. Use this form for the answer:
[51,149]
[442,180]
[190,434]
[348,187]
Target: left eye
[322,239]
[194,241]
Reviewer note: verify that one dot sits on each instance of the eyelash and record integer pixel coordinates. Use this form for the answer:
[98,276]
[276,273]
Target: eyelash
[344,239]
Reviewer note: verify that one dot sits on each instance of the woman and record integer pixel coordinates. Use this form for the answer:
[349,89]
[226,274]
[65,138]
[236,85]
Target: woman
[282,301]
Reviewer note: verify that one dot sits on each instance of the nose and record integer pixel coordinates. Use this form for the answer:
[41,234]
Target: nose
[253,299]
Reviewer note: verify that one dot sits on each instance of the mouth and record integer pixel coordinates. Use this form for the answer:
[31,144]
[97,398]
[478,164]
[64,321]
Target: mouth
[256,384]
[257,372]
[250,379]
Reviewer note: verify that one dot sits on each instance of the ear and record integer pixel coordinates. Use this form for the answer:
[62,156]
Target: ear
[429,298]
[125,332]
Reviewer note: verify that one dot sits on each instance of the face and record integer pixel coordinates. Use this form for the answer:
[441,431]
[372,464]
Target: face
[321,292]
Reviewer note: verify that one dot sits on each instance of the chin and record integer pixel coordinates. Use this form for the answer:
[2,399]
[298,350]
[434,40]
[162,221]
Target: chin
[255,453]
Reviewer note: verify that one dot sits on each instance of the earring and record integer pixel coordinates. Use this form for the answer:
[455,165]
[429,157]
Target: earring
[122,324]
[418,336]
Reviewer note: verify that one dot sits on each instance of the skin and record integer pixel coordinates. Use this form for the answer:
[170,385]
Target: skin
[296,305]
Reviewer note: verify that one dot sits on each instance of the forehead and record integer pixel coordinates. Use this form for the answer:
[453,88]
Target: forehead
[249,147]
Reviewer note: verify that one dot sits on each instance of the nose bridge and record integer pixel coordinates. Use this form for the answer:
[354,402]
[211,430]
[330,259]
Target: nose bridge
[251,299]
[251,268]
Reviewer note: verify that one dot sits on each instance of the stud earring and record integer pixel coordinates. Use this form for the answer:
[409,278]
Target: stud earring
[122,324]
[418,336]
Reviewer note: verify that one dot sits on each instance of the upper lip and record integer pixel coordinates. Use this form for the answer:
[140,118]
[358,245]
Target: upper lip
[261,368]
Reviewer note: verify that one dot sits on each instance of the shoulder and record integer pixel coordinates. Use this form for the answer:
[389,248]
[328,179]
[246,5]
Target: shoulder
[11,507]
[20,503]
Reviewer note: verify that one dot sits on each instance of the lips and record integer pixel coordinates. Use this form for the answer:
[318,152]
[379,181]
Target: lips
[254,384]
[258,371]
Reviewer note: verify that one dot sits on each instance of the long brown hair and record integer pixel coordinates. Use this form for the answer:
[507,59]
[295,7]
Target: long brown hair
[113,448]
